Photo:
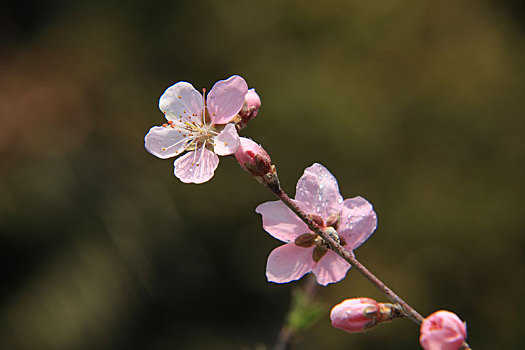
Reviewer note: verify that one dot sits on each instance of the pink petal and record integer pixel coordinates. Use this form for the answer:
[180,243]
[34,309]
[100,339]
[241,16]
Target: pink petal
[358,221]
[281,222]
[165,142]
[330,269]
[226,99]
[288,263]
[197,166]
[227,141]
[317,189]
[182,101]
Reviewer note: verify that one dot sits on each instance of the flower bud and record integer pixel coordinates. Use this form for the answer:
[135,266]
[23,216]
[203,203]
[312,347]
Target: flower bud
[355,315]
[360,314]
[252,103]
[443,330]
[252,100]
[253,158]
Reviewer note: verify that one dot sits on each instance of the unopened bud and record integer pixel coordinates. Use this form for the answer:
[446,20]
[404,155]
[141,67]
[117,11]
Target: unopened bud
[252,103]
[443,330]
[253,158]
[354,315]
[360,314]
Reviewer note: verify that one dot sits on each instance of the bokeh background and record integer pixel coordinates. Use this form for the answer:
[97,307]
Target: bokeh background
[416,105]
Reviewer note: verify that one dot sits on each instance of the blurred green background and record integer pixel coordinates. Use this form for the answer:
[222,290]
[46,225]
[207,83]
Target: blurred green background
[418,106]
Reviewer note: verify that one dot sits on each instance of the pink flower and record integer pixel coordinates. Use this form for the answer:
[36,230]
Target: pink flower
[198,126]
[355,315]
[253,158]
[317,193]
[443,330]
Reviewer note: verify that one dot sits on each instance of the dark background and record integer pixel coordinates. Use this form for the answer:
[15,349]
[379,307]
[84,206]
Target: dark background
[418,106]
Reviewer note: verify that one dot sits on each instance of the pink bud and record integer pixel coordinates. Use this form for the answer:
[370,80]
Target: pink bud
[252,103]
[252,100]
[355,315]
[253,158]
[443,330]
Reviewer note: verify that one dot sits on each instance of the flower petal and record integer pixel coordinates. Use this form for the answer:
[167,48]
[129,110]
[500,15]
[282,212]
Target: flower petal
[280,221]
[227,141]
[226,99]
[197,166]
[358,221]
[330,269]
[318,190]
[288,263]
[165,142]
[182,103]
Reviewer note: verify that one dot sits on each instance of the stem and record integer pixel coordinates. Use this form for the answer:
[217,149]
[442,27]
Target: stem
[287,334]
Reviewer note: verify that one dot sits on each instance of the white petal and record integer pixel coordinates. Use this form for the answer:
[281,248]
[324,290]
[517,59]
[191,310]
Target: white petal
[227,141]
[181,102]
[318,190]
[165,142]
[226,99]
[197,166]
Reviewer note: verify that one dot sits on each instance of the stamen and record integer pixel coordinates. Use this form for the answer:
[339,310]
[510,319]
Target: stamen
[164,149]
[204,106]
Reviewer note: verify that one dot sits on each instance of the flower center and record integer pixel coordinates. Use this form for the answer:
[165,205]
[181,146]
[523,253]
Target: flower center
[194,130]
[310,239]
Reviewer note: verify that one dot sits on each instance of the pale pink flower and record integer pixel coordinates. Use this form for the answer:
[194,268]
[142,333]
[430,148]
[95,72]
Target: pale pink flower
[355,315]
[442,330]
[317,193]
[198,126]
